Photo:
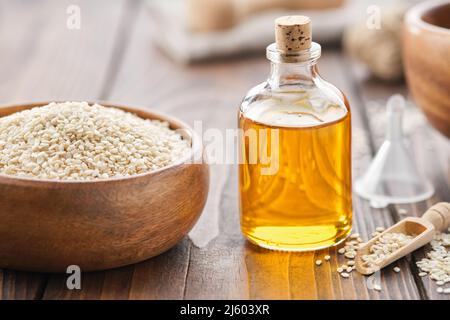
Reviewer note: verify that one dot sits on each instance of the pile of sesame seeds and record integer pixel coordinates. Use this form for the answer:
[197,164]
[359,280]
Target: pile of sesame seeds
[78,141]
[384,246]
[437,263]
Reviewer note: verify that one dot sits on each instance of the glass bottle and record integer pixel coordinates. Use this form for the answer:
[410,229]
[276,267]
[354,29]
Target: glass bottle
[295,150]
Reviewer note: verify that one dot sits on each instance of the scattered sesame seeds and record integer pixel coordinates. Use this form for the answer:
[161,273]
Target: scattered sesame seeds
[377,287]
[402,212]
[318,262]
[437,262]
[327,258]
[385,246]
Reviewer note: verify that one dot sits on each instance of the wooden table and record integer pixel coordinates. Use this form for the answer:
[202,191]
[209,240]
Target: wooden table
[112,58]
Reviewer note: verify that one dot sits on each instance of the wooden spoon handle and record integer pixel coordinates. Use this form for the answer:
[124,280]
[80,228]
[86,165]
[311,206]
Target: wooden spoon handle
[439,216]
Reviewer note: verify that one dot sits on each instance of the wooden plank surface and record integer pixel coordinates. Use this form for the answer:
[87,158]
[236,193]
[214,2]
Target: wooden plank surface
[43,60]
[431,152]
[114,52]
[229,267]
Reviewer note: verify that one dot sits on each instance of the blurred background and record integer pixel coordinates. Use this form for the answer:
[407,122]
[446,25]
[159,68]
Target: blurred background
[82,49]
[195,60]
[196,30]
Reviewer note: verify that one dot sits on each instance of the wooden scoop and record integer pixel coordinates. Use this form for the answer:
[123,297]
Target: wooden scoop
[437,218]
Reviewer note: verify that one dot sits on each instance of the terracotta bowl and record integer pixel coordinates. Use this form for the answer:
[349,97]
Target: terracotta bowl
[426,41]
[48,225]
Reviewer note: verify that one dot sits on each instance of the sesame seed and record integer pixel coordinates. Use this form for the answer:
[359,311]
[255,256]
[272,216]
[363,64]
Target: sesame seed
[377,287]
[397,269]
[385,245]
[350,255]
[345,275]
[437,261]
[440,290]
[78,141]
[422,274]
[341,251]
[327,258]
[318,262]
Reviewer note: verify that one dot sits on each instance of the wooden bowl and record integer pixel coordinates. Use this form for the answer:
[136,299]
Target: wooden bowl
[47,225]
[426,42]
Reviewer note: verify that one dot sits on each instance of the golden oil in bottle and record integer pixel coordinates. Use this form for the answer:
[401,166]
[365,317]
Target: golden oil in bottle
[295,170]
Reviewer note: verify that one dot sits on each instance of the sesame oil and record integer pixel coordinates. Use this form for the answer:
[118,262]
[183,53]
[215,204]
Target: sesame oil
[295,169]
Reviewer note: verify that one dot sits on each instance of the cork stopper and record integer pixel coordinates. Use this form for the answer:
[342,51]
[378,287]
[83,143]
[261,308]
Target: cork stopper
[293,33]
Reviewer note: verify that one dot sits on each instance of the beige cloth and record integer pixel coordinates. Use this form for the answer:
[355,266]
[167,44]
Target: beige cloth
[254,34]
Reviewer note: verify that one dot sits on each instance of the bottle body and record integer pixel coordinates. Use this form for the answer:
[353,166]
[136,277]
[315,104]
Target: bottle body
[295,169]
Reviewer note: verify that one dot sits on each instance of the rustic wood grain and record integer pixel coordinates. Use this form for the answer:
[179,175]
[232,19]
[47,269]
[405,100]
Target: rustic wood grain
[431,151]
[425,55]
[162,277]
[434,161]
[229,267]
[15,285]
[124,67]
[43,60]
[101,225]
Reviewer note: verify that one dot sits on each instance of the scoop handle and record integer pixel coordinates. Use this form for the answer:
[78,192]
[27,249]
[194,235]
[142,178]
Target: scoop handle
[439,216]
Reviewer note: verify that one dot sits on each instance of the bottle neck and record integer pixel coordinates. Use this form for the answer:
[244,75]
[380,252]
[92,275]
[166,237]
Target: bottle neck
[294,69]
[292,74]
